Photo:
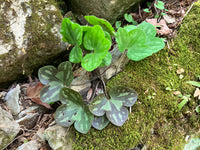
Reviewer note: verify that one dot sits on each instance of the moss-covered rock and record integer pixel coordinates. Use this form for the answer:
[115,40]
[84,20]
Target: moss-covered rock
[156,121]
[29,36]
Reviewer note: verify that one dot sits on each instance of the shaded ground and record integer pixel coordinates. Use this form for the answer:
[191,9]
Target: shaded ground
[155,121]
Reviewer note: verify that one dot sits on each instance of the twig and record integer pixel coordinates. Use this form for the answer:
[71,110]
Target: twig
[188,10]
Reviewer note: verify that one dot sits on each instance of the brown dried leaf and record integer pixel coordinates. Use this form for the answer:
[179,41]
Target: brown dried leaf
[164,30]
[197,93]
[33,92]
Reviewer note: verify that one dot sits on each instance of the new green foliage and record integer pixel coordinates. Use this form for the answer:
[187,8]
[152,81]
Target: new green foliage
[96,41]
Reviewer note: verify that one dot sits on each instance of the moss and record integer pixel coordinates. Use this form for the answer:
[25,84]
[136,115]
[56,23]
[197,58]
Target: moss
[41,44]
[156,122]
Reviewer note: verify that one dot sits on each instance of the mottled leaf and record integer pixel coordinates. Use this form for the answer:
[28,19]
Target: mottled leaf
[74,111]
[93,20]
[100,123]
[51,93]
[113,107]
[65,74]
[47,74]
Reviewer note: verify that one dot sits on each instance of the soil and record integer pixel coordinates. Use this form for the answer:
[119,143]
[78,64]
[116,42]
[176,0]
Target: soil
[178,9]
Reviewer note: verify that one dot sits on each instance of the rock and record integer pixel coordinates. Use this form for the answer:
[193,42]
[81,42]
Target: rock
[81,83]
[57,137]
[28,121]
[119,61]
[32,145]
[108,9]
[12,100]
[29,37]
[194,144]
[169,19]
[8,128]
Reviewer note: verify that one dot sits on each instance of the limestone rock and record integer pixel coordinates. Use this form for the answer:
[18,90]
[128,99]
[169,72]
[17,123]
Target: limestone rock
[12,100]
[57,138]
[29,36]
[32,145]
[108,9]
[8,128]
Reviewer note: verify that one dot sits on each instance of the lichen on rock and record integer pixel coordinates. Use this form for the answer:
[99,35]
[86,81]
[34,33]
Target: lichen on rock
[29,36]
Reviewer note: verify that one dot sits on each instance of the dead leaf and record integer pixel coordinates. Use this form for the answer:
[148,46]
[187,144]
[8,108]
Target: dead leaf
[33,92]
[177,93]
[180,71]
[197,93]
[164,30]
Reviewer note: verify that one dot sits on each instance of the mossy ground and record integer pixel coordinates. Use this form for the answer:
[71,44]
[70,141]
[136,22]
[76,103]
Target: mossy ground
[156,122]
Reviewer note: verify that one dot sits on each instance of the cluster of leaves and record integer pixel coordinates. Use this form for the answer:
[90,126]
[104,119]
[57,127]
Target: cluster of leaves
[92,43]
[128,18]
[160,6]
[73,110]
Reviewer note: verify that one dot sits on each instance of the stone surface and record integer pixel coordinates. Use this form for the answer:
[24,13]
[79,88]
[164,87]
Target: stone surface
[12,100]
[8,128]
[119,60]
[57,138]
[32,145]
[108,9]
[29,37]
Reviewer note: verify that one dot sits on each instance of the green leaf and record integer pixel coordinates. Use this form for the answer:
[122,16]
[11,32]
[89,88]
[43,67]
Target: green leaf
[74,111]
[146,10]
[194,83]
[91,62]
[130,28]
[107,60]
[148,28]
[47,74]
[95,39]
[76,54]
[114,107]
[198,109]
[129,19]
[100,123]
[51,93]
[107,36]
[118,24]
[93,20]
[125,39]
[72,32]
[182,103]
[159,5]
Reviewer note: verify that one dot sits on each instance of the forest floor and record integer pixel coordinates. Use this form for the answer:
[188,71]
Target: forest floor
[157,120]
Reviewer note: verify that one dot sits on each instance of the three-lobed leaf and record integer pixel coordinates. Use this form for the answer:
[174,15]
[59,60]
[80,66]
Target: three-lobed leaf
[55,79]
[74,111]
[114,107]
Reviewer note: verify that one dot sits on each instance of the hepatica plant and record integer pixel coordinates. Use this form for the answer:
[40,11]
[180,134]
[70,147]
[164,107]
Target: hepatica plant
[92,43]
[91,48]
[73,110]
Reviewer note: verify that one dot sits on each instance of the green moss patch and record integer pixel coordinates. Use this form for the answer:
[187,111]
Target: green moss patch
[155,120]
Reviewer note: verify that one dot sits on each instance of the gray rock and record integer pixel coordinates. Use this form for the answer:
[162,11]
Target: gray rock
[12,100]
[29,37]
[82,83]
[28,121]
[8,128]
[57,138]
[119,60]
[32,145]
[108,9]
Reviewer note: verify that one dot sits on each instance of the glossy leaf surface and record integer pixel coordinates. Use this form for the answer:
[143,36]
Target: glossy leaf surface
[93,20]
[74,111]
[114,107]
[72,32]
[100,123]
